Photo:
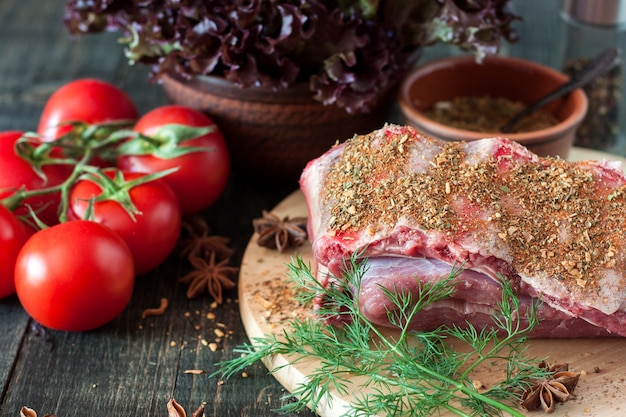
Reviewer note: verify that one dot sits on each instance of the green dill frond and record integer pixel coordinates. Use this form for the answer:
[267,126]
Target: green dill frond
[300,275]
[400,373]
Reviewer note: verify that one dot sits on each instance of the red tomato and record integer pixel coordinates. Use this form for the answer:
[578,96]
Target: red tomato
[202,176]
[151,237]
[12,238]
[88,100]
[15,173]
[74,276]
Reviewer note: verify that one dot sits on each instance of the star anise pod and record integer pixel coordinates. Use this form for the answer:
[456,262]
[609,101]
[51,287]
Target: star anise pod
[29,412]
[277,233]
[201,243]
[209,277]
[546,393]
[176,410]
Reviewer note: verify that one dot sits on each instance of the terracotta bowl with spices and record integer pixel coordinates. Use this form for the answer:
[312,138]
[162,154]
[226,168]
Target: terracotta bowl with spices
[459,99]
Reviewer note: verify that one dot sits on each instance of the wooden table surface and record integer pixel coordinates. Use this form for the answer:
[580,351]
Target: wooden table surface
[132,366]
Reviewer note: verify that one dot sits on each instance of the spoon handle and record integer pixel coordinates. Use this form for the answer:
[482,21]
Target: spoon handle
[598,66]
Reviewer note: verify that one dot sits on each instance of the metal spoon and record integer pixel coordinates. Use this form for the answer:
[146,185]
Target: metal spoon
[598,66]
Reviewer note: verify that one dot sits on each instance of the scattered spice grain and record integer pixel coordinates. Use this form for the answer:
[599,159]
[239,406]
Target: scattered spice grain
[155,311]
[277,298]
[194,371]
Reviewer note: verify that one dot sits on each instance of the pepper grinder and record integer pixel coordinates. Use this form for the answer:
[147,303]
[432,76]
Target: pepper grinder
[588,27]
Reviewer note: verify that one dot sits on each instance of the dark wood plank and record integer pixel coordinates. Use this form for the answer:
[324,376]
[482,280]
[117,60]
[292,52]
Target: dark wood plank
[13,325]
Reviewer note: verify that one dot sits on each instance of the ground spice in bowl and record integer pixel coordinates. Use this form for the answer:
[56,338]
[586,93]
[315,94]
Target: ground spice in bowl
[487,114]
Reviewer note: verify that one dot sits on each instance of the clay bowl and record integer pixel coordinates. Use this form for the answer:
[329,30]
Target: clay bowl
[272,135]
[512,78]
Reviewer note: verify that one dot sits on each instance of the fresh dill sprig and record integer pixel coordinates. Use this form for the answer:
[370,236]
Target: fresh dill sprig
[407,373]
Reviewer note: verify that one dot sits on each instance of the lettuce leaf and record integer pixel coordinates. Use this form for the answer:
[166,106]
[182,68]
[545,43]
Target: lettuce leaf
[347,50]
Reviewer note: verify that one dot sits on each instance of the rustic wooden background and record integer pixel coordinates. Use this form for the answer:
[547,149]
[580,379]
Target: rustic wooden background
[133,366]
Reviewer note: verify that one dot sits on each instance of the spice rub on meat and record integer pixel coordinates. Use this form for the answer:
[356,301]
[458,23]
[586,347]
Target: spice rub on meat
[553,228]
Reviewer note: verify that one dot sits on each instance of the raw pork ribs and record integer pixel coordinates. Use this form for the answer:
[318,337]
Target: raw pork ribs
[417,207]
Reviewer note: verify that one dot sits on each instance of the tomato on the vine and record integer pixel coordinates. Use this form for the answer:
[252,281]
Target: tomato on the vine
[86,100]
[74,276]
[16,173]
[13,235]
[202,175]
[153,232]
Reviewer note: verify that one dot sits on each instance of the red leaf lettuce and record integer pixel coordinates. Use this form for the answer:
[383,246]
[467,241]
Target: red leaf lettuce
[347,50]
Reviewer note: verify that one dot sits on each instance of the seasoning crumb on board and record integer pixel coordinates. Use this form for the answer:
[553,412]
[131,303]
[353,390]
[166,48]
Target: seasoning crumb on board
[276,297]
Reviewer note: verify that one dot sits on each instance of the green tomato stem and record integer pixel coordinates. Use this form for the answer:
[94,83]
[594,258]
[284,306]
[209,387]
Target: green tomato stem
[84,140]
[66,187]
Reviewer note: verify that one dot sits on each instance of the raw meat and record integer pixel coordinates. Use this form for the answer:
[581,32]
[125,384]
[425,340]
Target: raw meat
[554,229]
[475,295]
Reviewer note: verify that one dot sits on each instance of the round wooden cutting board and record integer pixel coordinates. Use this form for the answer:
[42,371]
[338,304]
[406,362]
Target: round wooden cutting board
[266,307]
